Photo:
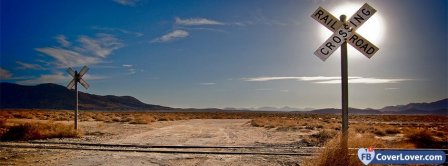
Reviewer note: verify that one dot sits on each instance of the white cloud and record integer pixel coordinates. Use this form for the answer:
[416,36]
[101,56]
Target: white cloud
[68,58]
[25,66]
[103,45]
[392,88]
[197,21]
[136,34]
[132,71]
[316,78]
[5,74]
[329,80]
[176,34]
[90,50]
[63,41]
[130,68]
[365,81]
[127,2]
[208,83]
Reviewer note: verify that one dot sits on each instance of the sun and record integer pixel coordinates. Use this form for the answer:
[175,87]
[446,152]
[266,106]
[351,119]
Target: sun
[372,30]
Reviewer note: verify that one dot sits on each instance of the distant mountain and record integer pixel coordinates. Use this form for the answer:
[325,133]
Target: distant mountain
[53,96]
[350,111]
[418,107]
[285,108]
[433,108]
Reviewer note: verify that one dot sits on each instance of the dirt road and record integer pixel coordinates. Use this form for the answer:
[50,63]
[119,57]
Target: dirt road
[202,132]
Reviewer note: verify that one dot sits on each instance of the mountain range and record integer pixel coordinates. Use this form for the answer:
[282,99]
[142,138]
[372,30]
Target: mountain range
[53,96]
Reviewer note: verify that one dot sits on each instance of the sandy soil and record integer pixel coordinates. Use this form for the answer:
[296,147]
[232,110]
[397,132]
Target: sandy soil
[204,132]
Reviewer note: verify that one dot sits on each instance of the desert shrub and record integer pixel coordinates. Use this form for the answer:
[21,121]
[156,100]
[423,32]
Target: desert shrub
[424,139]
[379,132]
[273,122]
[2,122]
[30,131]
[101,117]
[116,119]
[333,155]
[322,137]
[309,127]
[392,131]
[143,119]
[23,115]
[162,119]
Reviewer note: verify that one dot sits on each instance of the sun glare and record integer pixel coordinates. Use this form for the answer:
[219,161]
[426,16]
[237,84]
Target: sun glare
[372,30]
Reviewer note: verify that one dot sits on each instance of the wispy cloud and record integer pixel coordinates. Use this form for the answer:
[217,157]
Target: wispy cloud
[329,80]
[119,30]
[174,35]
[102,45]
[365,81]
[5,74]
[25,66]
[196,21]
[208,83]
[316,78]
[61,39]
[89,50]
[392,88]
[130,68]
[68,58]
[127,2]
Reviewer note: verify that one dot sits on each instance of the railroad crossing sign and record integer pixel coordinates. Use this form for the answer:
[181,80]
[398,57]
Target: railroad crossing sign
[344,32]
[77,77]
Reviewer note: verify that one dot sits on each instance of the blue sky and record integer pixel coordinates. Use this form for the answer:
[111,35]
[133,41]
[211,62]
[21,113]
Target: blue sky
[213,53]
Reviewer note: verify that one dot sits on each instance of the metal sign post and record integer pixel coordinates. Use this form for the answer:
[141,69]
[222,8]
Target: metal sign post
[77,77]
[344,32]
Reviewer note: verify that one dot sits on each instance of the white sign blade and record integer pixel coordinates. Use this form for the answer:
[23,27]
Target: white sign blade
[83,71]
[71,71]
[326,19]
[361,16]
[362,45]
[84,83]
[71,84]
[333,43]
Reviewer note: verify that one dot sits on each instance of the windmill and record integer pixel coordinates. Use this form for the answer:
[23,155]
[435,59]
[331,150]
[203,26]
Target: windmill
[77,77]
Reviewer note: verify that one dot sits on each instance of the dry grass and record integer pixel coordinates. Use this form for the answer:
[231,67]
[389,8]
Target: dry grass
[143,119]
[332,154]
[320,138]
[424,138]
[401,128]
[37,130]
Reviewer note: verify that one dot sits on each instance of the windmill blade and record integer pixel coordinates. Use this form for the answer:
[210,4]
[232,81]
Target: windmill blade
[84,83]
[83,71]
[71,84]
[71,71]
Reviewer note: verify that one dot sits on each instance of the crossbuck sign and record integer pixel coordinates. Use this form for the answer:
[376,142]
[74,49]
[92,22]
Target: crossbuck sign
[344,32]
[77,77]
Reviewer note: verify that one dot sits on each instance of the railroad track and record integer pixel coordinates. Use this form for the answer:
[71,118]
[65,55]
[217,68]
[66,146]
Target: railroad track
[180,149]
[176,149]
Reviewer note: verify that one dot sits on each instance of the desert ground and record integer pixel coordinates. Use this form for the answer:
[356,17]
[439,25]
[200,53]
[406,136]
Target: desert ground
[234,138]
